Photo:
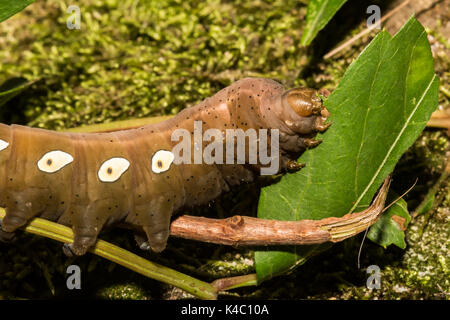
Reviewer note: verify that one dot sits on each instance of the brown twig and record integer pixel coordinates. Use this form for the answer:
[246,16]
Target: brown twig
[364,32]
[240,230]
[440,119]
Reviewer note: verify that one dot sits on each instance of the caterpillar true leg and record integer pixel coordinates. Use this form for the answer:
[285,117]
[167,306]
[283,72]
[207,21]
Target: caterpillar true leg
[311,143]
[292,165]
[319,124]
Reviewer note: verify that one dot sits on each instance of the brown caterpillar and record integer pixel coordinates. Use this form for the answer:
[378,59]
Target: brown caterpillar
[90,181]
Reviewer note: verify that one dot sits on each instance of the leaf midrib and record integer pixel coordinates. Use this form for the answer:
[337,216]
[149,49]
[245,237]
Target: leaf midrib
[393,144]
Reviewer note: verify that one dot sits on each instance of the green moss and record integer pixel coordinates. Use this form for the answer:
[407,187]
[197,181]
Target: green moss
[129,291]
[149,58]
[229,265]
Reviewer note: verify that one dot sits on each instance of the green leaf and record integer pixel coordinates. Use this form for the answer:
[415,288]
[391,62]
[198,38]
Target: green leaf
[318,15]
[9,8]
[391,226]
[12,87]
[378,110]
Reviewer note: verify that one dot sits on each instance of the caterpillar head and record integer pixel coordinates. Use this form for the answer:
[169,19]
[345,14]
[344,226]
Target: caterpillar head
[302,110]
[304,101]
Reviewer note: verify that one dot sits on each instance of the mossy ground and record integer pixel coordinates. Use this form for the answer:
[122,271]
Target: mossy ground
[133,59]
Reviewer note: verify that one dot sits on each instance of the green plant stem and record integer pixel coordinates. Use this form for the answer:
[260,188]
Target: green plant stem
[118,125]
[200,289]
[432,192]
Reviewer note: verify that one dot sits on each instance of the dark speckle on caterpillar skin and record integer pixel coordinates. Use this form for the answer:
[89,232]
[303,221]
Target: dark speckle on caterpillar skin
[92,180]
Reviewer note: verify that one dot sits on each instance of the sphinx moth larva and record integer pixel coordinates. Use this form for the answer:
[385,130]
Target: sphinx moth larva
[90,181]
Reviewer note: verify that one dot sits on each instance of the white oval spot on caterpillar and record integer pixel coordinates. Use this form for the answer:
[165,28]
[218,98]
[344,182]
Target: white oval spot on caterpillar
[112,169]
[54,160]
[162,160]
[3,144]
